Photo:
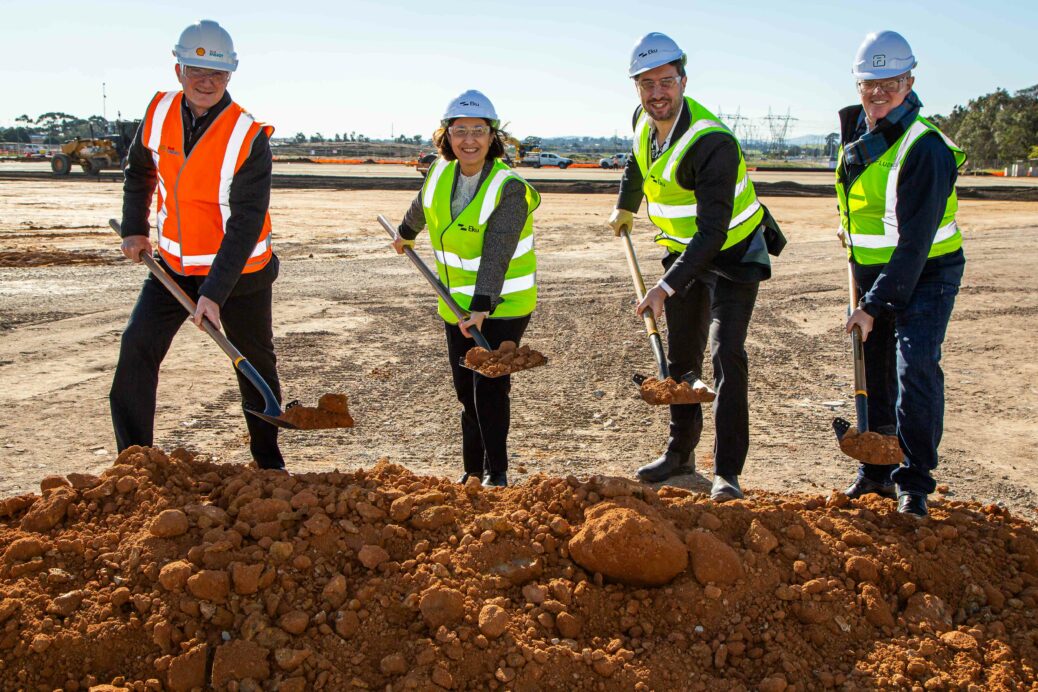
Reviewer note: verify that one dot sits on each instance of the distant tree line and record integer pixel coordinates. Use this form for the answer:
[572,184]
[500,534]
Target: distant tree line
[55,128]
[997,128]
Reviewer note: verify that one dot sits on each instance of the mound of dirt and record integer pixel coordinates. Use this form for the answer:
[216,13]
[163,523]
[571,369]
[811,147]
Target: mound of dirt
[332,412]
[175,573]
[656,391]
[871,447]
[504,360]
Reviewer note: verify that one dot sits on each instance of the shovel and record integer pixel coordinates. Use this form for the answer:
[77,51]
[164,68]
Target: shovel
[271,413]
[700,390]
[865,446]
[444,295]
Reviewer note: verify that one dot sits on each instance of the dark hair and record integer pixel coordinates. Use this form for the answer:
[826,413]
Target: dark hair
[442,141]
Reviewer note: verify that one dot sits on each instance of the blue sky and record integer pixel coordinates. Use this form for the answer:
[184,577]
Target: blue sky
[550,68]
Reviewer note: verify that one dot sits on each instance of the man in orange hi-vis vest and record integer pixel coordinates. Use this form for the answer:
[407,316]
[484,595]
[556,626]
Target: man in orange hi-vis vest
[207,163]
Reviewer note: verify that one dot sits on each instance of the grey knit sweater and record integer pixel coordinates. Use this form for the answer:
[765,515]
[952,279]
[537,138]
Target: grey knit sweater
[499,241]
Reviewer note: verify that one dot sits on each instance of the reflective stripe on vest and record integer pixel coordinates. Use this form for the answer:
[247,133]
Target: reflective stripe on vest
[673,209]
[458,242]
[868,210]
[194,191]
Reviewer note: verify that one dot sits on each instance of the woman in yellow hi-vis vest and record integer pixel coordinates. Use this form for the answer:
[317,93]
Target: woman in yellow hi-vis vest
[480,218]
[895,183]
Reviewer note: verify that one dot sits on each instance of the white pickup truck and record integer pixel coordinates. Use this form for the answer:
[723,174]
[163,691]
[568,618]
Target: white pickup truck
[540,158]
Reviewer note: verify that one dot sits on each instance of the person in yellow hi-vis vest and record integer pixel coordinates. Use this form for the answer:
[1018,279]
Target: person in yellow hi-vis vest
[717,235]
[480,218]
[895,181]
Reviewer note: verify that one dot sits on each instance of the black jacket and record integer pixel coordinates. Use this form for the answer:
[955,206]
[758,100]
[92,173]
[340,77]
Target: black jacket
[249,199]
[926,180]
[711,168]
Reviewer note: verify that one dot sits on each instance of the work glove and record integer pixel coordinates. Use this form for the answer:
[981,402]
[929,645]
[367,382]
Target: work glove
[619,219]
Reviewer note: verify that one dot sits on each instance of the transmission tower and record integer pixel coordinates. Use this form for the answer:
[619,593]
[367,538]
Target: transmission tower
[778,125]
[733,120]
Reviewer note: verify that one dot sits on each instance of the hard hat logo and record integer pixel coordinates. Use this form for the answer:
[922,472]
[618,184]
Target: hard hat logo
[879,61]
[199,51]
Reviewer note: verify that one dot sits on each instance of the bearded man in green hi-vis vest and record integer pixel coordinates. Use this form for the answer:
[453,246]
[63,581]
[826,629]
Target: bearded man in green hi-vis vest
[479,213]
[895,181]
[717,235]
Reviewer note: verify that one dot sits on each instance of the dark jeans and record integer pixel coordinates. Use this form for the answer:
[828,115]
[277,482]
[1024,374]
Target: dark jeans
[718,311]
[155,320]
[486,410]
[906,383]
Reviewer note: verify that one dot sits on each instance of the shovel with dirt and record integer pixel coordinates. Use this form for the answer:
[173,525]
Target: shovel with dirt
[663,389]
[506,359]
[858,442]
[332,410]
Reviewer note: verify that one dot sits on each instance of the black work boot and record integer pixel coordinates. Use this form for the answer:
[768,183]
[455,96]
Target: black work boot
[495,479]
[668,465]
[465,477]
[865,486]
[726,488]
[912,504]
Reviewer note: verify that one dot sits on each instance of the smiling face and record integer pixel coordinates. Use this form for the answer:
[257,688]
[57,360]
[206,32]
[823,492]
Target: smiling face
[471,149]
[661,90]
[881,96]
[203,88]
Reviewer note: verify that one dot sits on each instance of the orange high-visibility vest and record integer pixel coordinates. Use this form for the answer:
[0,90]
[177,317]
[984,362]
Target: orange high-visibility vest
[194,191]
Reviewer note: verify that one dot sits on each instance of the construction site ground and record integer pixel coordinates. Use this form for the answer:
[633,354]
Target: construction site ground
[368,567]
[353,317]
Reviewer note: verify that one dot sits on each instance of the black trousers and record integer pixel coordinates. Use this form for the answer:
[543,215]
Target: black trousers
[486,410]
[718,311]
[155,320]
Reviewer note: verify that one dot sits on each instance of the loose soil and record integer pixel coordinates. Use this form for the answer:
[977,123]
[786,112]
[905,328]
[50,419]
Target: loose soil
[173,572]
[52,258]
[667,391]
[332,412]
[504,360]
[871,447]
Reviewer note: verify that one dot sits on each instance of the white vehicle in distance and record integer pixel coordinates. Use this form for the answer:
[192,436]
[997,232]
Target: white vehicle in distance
[540,158]
[615,161]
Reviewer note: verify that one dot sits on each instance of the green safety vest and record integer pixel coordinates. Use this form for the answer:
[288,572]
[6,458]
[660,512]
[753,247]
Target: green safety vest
[458,243]
[672,208]
[868,209]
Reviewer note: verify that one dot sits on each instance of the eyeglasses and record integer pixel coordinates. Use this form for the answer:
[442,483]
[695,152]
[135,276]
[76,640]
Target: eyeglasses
[667,83]
[198,74]
[461,132]
[885,85]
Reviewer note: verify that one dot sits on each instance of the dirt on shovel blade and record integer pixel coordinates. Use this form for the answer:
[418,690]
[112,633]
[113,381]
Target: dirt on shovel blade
[871,447]
[331,412]
[504,360]
[655,391]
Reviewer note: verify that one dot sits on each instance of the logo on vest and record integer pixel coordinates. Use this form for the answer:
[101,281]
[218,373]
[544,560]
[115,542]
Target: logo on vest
[655,179]
[171,150]
[467,228]
[879,60]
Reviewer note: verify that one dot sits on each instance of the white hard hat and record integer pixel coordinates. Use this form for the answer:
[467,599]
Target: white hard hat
[882,55]
[653,50]
[206,44]
[471,104]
